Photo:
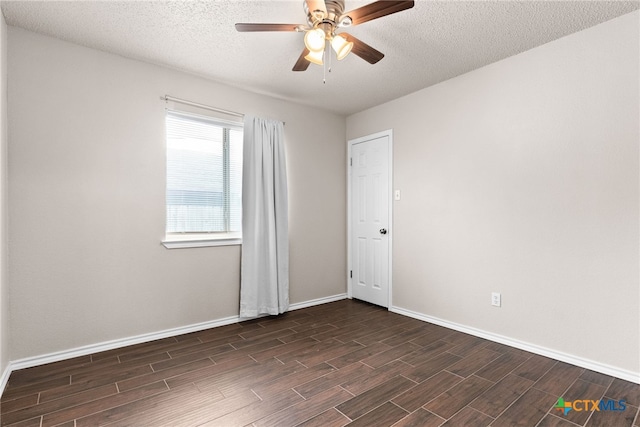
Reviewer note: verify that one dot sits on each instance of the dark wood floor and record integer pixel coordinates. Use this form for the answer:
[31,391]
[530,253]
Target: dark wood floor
[340,363]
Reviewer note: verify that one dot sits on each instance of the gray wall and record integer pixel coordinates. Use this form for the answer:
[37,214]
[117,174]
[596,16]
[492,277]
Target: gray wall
[86,197]
[4,300]
[522,177]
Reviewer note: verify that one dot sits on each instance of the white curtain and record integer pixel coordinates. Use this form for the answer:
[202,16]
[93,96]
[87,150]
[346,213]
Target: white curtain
[264,283]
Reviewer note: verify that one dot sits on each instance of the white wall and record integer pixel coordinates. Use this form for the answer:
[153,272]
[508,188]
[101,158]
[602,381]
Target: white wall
[4,300]
[522,177]
[86,197]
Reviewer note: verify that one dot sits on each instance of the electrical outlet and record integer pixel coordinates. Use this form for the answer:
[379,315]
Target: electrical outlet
[496,299]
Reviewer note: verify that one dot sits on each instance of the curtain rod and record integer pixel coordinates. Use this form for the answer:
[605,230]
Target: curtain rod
[195,104]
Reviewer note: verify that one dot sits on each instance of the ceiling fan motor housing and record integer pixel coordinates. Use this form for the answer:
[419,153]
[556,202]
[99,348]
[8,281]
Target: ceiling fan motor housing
[335,9]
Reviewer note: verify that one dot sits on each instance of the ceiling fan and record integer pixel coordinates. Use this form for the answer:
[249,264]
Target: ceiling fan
[324,18]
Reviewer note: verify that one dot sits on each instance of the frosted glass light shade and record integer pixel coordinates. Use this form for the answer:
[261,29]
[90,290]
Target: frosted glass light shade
[341,46]
[314,40]
[315,57]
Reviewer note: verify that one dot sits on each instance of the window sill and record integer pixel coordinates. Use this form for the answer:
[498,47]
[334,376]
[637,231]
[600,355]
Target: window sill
[202,241]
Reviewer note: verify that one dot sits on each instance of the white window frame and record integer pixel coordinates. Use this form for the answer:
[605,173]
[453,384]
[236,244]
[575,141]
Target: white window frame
[198,240]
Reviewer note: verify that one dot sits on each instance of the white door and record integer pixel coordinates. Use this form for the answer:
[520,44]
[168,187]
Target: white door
[370,218]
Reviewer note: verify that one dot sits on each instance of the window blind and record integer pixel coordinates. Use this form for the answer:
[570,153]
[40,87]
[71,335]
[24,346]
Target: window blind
[204,175]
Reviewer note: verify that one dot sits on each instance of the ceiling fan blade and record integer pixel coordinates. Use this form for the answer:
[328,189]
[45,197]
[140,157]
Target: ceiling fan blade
[317,5]
[376,10]
[363,50]
[302,64]
[242,27]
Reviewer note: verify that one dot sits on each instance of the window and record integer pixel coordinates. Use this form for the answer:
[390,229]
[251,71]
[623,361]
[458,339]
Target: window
[204,180]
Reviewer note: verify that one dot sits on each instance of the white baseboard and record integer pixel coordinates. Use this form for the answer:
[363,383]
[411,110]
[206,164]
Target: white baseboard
[30,362]
[317,301]
[4,378]
[624,374]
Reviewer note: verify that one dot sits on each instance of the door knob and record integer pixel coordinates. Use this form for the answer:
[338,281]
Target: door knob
[383,231]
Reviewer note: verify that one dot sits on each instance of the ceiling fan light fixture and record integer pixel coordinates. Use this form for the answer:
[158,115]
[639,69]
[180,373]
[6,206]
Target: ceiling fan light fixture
[314,40]
[341,46]
[315,56]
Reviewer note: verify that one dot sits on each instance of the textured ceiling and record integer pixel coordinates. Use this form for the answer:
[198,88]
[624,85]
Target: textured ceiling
[432,42]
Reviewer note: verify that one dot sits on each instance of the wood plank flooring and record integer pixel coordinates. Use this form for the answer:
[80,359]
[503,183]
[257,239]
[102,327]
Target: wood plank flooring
[343,363]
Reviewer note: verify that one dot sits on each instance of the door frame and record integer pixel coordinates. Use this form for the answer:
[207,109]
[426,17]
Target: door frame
[390,228]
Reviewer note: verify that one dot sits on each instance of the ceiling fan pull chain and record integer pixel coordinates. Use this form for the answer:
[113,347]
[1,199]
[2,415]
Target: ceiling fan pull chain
[324,65]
